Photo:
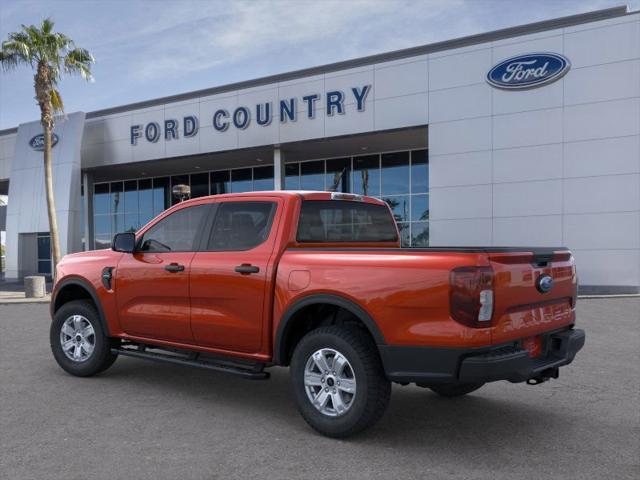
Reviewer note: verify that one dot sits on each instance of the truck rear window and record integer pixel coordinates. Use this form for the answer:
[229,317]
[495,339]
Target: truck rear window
[345,221]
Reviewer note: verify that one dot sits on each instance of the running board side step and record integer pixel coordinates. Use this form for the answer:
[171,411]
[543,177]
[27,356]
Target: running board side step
[252,371]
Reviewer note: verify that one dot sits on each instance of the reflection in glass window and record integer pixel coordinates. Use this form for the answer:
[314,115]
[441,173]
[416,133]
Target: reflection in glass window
[399,206]
[366,175]
[175,233]
[405,238]
[263,178]
[419,208]
[117,198]
[312,175]
[241,180]
[420,234]
[395,173]
[220,182]
[338,175]
[419,171]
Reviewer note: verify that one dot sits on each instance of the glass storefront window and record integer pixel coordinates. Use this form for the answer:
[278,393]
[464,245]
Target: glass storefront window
[161,195]
[101,198]
[419,171]
[44,253]
[366,175]
[312,175]
[419,208]
[117,197]
[263,178]
[199,185]
[405,238]
[338,175]
[420,234]
[145,199]
[399,206]
[400,179]
[241,180]
[395,173]
[292,176]
[220,182]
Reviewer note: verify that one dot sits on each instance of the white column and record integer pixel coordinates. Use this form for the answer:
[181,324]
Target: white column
[278,169]
[87,200]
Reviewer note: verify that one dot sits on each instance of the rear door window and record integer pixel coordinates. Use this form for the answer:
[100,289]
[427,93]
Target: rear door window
[241,225]
[345,221]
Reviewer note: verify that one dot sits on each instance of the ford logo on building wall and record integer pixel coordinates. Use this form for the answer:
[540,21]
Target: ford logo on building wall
[37,142]
[528,71]
[544,283]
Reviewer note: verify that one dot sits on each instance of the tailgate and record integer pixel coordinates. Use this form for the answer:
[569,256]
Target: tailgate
[534,292]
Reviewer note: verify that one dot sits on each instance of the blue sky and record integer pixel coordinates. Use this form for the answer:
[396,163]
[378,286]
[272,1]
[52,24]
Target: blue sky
[149,49]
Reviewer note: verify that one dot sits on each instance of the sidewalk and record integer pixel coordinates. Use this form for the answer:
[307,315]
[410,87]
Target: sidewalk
[14,293]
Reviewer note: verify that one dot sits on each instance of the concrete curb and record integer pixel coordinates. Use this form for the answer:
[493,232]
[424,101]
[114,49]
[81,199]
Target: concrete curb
[23,300]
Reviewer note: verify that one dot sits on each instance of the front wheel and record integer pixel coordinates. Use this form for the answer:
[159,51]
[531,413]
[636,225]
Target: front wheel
[78,341]
[338,381]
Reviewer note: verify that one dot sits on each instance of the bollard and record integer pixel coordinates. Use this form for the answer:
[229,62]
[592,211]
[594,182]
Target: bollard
[34,287]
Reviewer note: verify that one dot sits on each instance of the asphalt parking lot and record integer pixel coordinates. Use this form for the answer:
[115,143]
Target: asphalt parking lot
[147,420]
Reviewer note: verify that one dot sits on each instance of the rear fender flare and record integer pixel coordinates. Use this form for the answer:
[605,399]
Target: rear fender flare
[286,321]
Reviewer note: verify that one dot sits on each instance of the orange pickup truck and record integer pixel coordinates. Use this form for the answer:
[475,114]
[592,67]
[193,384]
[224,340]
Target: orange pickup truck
[316,281]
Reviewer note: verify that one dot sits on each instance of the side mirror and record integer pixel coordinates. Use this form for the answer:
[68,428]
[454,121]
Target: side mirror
[124,242]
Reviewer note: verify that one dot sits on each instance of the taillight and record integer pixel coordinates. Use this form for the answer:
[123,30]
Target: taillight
[471,296]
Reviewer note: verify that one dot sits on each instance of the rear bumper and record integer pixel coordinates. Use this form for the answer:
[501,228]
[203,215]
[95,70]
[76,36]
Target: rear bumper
[406,364]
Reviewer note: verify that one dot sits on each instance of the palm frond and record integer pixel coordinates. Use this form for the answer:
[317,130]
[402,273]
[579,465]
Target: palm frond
[56,101]
[79,61]
[47,26]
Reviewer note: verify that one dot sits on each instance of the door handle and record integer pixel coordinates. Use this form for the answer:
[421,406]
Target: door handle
[174,267]
[247,269]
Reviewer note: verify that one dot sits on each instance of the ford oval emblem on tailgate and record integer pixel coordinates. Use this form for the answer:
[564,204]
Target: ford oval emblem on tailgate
[544,283]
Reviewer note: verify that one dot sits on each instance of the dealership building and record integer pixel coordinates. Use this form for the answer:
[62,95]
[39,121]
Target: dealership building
[528,135]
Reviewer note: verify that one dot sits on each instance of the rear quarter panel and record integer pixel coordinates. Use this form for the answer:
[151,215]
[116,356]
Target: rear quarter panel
[406,293]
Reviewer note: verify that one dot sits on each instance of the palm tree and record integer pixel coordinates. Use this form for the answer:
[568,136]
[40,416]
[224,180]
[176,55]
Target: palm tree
[50,54]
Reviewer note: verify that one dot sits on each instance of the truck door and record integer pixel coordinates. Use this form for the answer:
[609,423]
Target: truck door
[229,276]
[152,284]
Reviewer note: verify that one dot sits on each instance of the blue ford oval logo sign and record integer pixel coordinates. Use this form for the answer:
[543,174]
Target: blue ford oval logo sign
[528,71]
[37,142]
[544,283]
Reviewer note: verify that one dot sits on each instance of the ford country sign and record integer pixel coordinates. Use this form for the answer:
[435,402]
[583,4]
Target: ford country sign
[37,142]
[528,71]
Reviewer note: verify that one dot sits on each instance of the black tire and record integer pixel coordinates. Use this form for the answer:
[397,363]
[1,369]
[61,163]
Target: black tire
[101,357]
[455,389]
[373,388]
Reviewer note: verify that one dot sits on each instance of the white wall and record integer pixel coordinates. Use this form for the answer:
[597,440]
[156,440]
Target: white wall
[27,208]
[556,165]
[7,151]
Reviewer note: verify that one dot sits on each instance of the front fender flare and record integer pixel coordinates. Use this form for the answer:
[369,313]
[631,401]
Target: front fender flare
[84,284]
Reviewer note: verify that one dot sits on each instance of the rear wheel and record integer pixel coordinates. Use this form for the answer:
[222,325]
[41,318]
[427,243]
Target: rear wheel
[338,381]
[455,389]
[78,341]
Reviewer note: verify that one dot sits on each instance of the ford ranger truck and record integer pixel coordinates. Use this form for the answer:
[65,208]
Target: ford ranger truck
[316,281]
